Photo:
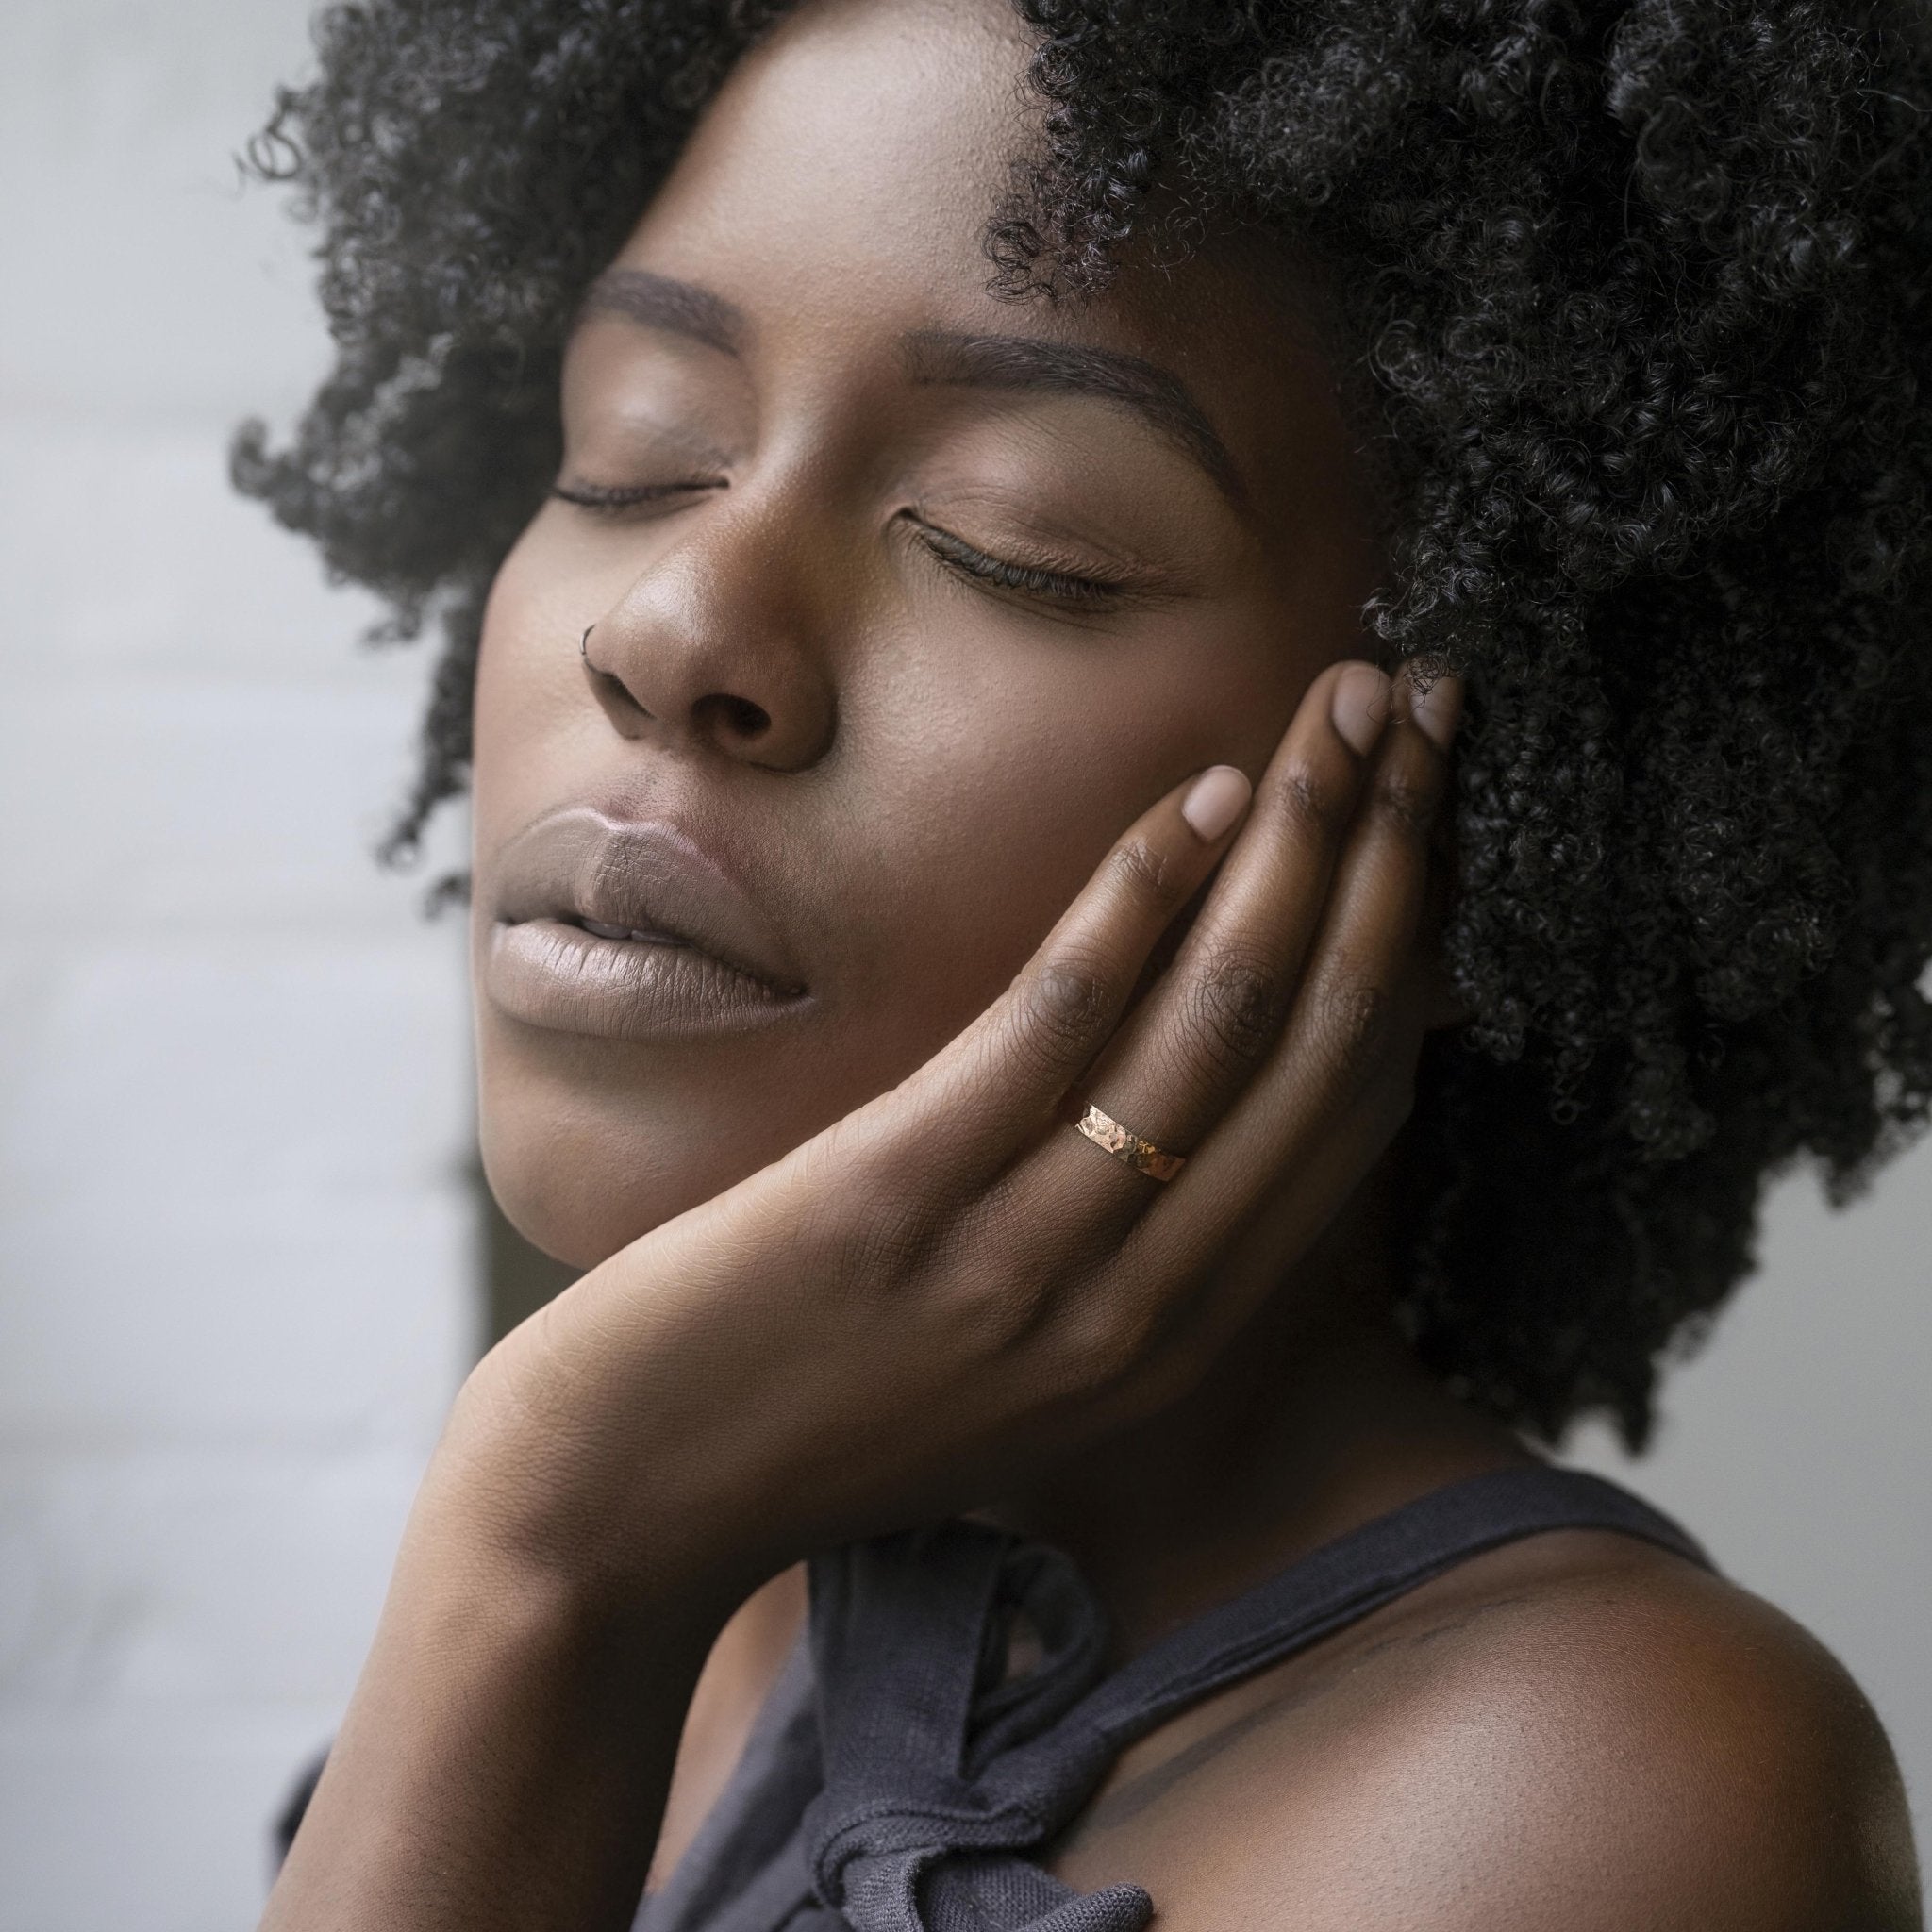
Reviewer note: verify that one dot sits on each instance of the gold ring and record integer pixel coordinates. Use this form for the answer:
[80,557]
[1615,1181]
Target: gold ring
[1125,1144]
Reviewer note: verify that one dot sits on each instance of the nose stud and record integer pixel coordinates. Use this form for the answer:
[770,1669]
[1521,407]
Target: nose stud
[609,688]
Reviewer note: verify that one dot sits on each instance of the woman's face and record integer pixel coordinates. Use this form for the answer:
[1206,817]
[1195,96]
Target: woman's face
[903,602]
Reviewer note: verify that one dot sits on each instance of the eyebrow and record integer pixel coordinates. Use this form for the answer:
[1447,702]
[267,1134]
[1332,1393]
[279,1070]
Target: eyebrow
[660,302]
[943,356]
[1025,362]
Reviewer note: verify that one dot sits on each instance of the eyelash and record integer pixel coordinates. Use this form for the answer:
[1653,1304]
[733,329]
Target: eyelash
[1062,587]
[952,553]
[607,499]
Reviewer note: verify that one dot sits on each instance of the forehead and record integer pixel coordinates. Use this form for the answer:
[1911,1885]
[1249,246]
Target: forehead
[838,190]
[864,138]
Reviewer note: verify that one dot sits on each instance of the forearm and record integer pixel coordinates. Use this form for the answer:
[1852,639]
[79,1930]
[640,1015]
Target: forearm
[504,1759]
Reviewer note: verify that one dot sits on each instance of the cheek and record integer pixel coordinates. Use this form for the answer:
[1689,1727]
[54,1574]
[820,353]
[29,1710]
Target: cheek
[530,689]
[977,833]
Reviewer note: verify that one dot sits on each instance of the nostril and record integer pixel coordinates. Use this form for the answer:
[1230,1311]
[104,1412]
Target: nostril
[612,690]
[739,716]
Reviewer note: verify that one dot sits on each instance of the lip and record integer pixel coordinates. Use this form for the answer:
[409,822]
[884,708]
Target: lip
[699,956]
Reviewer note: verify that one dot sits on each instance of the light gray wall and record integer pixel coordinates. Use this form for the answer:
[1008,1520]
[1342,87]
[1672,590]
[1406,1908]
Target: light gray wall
[235,1235]
[236,1276]
[1798,1444]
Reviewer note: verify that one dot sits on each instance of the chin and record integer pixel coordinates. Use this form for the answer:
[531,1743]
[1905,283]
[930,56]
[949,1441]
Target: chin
[576,1215]
[582,1168]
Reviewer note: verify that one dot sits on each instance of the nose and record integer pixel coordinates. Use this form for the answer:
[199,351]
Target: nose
[716,645]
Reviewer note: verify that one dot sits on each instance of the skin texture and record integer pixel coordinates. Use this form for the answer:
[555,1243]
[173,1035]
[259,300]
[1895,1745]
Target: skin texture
[851,1271]
[953,764]
[1468,1759]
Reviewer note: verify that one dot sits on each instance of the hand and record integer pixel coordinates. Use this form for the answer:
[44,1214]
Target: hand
[949,1285]
[917,1305]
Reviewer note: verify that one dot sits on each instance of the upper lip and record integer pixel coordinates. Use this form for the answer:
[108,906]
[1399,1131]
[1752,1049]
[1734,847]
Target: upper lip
[647,877]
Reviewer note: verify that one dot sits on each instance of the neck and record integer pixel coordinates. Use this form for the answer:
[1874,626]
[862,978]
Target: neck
[1305,1427]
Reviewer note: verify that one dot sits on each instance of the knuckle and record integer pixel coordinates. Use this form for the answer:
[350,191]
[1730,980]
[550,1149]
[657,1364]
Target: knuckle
[1307,804]
[1108,1348]
[1146,870]
[880,1221]
[1064,1007]
[1130,1331]
[1354,1016]
[1234,1008]
[1405,800]
[1013,1258]
[1003,1311]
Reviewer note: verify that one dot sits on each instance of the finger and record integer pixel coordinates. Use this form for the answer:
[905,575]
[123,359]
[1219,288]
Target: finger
[1337,1084]
[1194,1260]
[1326,1105]
[1195,1040]
[1255,1238]
[994,1083]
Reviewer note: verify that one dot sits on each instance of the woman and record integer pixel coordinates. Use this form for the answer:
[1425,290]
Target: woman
[988,519]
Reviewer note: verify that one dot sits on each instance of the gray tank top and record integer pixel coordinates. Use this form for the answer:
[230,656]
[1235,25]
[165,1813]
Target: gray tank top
[896,1780]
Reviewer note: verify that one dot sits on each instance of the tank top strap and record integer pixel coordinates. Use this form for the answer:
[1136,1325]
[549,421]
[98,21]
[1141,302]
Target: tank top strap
[1344,1580]
[927,1778]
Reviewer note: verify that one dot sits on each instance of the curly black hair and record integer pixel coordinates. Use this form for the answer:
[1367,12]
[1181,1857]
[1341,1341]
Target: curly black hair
[1640,293]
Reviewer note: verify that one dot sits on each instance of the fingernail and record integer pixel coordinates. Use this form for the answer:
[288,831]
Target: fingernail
[1215,800]
[1438,709]
[1360,707]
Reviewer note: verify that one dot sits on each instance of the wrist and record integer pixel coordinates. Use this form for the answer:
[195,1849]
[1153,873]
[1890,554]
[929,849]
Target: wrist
[510,1728]
[591,1523]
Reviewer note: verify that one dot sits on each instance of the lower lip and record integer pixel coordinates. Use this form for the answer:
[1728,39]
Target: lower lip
[549,974]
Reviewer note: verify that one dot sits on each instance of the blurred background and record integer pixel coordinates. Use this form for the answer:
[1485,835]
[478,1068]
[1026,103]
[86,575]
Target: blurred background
[244,1256]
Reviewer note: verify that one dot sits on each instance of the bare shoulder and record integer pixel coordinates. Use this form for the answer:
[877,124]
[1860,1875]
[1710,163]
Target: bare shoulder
[1578,1731]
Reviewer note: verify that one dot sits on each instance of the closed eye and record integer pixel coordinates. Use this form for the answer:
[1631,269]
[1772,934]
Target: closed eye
[1031,580]
[608,499]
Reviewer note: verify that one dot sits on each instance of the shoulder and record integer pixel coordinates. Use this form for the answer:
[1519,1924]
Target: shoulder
[1579,1731]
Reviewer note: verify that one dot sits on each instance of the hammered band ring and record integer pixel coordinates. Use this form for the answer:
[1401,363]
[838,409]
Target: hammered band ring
[1125,1146]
